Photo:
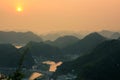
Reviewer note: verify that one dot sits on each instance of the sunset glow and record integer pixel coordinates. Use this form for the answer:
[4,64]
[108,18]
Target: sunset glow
[44,16]
[19,9]
[59,39]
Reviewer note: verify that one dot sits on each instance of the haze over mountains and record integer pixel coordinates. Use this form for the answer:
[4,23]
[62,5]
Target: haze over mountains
[63,42]
[54,35]
[25,37]
[91,57]
[81,34]
[62,49]
[18,38]
[110,34]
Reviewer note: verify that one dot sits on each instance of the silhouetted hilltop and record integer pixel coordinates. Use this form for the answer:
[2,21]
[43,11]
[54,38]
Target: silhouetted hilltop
[18,38]
[54,35]
[115,35]
[9,56]
[105,64]
[43,51]
[86,45]
[102,64]
[51,37]
[64,41]
[106,33]
[93,36]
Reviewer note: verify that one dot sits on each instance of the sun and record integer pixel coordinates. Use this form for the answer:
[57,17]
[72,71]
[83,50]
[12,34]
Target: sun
[19,9]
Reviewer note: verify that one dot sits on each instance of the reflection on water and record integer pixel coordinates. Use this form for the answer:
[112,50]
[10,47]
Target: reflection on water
[18,47]
[53,65]
[35,75]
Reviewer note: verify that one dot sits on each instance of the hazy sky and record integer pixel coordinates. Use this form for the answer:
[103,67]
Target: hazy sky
[43,16]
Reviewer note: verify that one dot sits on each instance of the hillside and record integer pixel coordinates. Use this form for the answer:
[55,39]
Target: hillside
[9,56]
[18,38]
[64,41]
[85,45]
[102,64]
[43,51]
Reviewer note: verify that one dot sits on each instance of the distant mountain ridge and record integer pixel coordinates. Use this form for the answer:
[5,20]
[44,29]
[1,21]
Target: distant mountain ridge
[85,45]
[64,41]
[18,37]
[53,36]
[106,33]
[116,35]
[110,34]
[64,48]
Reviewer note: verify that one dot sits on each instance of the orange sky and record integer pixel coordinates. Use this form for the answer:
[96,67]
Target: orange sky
[43,16]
